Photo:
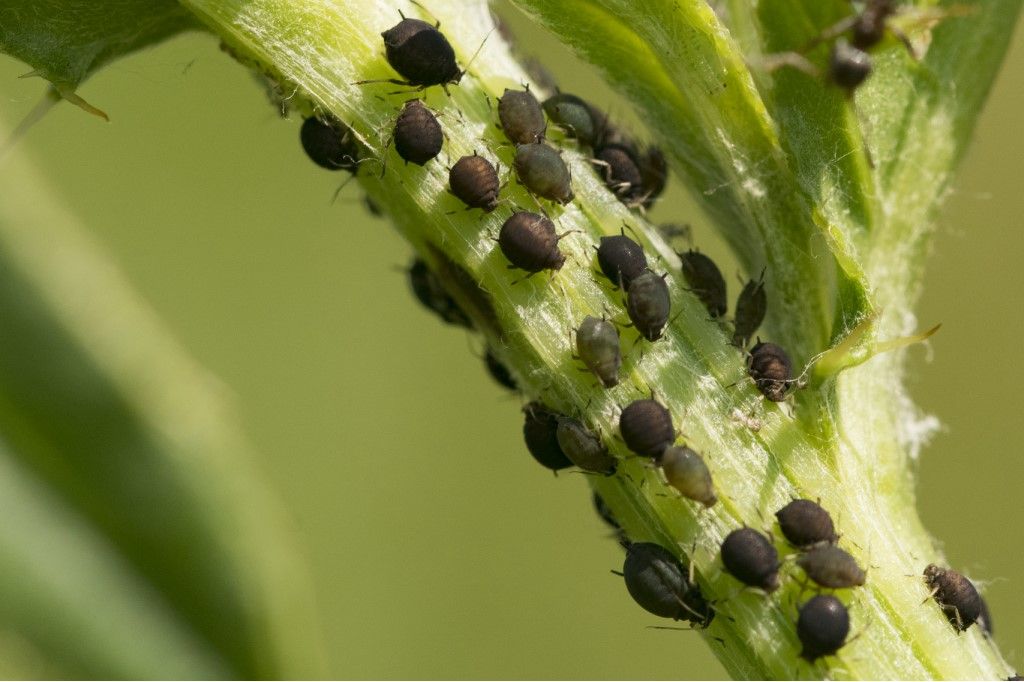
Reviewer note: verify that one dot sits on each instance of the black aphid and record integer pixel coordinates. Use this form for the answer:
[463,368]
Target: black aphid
[771,369]
[541,170]
[621,259]
[805,524]
[751,307]
[421,54]
[584,447]
[474,180]
[686,471]
[417,133]
[653,174]
[831,567]
[330,143]
[648,304]
[848,66]
[659,583]
[620,169]
[521,117]
[705,280]
[955,594]
[499,372]
[750,558]
[529,242]
[646,427]
[573,115]
[432,294]
[540,430]
[597,343]
[822,627]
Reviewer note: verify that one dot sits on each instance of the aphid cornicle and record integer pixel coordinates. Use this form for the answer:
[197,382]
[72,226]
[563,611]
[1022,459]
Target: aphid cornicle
[597,343]
[621,259]
[329,143]
[648,304]
[805,524]
[686,471]
[705,280]
[499,372]
[418,136]
[751,307]
[583,447]
[541,170]
[750,558]
[659,583]
[573,115]
[831,567]
[421,54]
[620,169]
[822,627]
[771,369]
[521,116]
[540,431]
[474,180]
[432,294]
[955,594]
[646,427]
[529,242]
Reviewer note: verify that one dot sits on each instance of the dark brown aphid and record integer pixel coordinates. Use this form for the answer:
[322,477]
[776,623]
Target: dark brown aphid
[653,174]
[529,242]
[751,307]
[705,280]
[540,430]
[573,115]
[805,524]
[541,170]
[329,143]
[621,170]
[646,427]
[499,372]
[521,117]
[421,54]
[848,66]
[648,304]
[750,558]
[659,583]
[597,342]
[583,447]
[432,294]
[417,133]
[771,369]
[686,471]
[831,567]
[822,627]
[474,180]
[955,595]
[621,259]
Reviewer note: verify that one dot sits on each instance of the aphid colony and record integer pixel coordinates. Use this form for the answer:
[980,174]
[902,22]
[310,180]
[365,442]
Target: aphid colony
[654,576]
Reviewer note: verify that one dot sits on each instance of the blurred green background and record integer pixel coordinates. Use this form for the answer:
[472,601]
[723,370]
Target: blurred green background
[437,547]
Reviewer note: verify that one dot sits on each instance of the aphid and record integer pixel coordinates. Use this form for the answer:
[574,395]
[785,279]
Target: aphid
[597,342]
[648,304]
[805,524]
[474,180]
[955,594]
[621,170]
[431,293]
[417,133]
[659,583]
[771,369]
[330,143]
[751,307]
[541,169]
[621,259]
[499,372]
[583,447]
[573,115]
[822,626]
[985,618]
[521,117]
[848,65]
[653,174]
[750,558]
[646,427]
[705,280]
[540,430]
[420,53]
[686,471]
[529,242]
[831,567]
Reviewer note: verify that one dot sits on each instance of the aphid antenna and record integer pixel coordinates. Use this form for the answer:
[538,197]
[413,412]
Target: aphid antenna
[773,62]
